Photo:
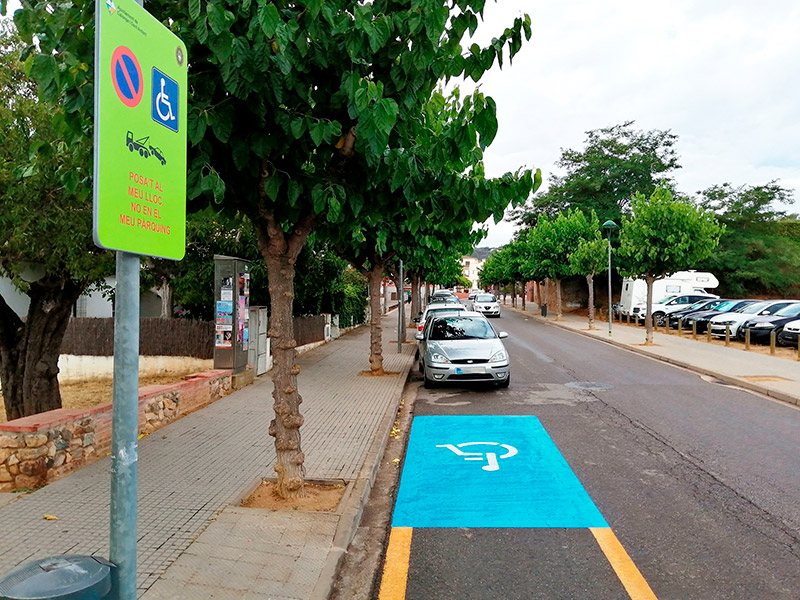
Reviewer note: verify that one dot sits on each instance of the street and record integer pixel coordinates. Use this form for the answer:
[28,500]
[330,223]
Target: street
[525,492]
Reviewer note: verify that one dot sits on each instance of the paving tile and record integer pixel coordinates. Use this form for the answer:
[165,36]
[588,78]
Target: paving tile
[186,478]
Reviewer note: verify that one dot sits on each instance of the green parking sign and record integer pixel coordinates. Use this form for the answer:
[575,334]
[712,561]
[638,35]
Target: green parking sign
[140,133]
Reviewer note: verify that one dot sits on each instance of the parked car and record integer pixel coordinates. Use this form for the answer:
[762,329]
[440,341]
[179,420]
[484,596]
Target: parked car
[700,305]
[462,347]
[473,293]
[486,304]
[443,294]
[790,334]
[634,291]
[733,320]
[444,300]
[701,318]
[438,308]
[762,326]
[669,305]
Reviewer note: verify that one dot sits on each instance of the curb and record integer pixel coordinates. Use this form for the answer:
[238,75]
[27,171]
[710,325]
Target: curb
[356,498]
[726,379]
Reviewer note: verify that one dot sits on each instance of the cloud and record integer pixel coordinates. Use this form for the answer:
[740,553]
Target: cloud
[718,74]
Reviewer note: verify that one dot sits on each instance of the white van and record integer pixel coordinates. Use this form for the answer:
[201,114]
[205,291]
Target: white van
[634,291]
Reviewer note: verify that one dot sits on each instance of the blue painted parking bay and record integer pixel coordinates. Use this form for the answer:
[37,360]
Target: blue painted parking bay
[489,471]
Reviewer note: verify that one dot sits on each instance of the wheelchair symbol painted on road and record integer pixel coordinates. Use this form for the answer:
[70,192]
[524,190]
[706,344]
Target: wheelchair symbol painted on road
[491,457]
[165,100]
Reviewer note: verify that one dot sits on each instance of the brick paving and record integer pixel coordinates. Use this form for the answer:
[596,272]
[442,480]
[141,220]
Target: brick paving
[191,470]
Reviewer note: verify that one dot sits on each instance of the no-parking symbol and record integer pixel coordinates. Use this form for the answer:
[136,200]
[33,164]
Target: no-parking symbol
[126,74]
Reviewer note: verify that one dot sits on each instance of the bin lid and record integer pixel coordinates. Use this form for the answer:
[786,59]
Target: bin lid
[70,577]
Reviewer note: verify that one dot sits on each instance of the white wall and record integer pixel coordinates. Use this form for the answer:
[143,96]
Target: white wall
[79,368]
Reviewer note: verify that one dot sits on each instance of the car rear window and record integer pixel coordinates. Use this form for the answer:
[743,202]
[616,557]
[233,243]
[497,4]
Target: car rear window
[461,328]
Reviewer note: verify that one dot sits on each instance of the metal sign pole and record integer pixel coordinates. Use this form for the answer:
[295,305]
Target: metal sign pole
[125,428]
[401,322]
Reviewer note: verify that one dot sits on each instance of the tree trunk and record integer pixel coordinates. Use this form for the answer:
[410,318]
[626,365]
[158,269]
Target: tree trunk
[29,350]
[559,314]
[590,283]
[524,292]
[514,294]
[280,253]
[375,277]
[165,293]
[648,322]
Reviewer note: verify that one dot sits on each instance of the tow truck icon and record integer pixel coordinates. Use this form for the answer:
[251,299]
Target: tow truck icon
[144,148]
[491,456]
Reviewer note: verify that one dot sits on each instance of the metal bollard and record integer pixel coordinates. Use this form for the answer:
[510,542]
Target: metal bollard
[772,335]
[727,335]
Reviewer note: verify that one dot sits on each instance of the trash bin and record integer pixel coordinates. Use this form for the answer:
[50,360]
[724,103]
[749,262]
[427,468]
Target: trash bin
[544,309]
[70,577]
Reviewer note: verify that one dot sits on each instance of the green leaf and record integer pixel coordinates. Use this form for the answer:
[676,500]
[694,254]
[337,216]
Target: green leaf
[268,18]
[317,131]
[43,69]
[319,197]
[222,123]
[314,6]
[216,18]
[334,210]
[298,127]
[272,186]
[385,114]
[194,9]
[295,189]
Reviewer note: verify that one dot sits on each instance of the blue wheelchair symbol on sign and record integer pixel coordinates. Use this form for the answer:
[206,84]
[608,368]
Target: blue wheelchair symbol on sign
[165,100]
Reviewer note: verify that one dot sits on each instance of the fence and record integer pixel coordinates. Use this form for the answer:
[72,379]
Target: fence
[157,337]
[308,330]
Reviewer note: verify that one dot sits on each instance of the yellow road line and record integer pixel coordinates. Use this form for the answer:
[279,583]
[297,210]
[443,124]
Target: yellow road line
[395,568]
[628,574]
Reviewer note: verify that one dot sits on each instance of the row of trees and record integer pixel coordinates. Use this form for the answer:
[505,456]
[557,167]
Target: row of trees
[659,236]
[759,250]
[314,120]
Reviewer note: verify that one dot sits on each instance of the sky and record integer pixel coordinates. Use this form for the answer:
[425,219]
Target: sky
[721,75]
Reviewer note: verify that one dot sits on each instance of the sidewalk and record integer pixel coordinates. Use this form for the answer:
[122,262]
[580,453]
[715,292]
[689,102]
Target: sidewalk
[777,378]
[194,542]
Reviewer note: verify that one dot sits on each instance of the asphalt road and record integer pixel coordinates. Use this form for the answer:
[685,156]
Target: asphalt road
[699,482]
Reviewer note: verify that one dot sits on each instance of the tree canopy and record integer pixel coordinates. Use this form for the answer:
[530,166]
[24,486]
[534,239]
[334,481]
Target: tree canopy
[46,247]
[665,235]
[616,163]
[755,256]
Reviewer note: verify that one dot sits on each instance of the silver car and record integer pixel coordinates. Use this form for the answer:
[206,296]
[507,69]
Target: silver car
[486,304]
[462,347]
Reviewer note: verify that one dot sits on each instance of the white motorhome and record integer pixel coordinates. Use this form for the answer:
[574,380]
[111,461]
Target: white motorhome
[634,291]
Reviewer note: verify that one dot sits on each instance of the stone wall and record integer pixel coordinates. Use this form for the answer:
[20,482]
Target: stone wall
[43,447]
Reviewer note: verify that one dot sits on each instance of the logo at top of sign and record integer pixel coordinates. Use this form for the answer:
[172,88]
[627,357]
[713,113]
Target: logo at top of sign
[126,74]
[165,100]
[491,457]
[110,6]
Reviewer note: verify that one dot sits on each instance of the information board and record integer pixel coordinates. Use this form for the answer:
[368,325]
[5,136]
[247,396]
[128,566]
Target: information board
[140,133]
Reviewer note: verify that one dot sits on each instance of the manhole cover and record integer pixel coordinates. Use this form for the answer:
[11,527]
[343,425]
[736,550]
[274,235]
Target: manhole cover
[763,378]
[589,385]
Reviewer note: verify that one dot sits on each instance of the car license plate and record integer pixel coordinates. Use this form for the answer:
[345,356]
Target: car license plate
[468,370]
